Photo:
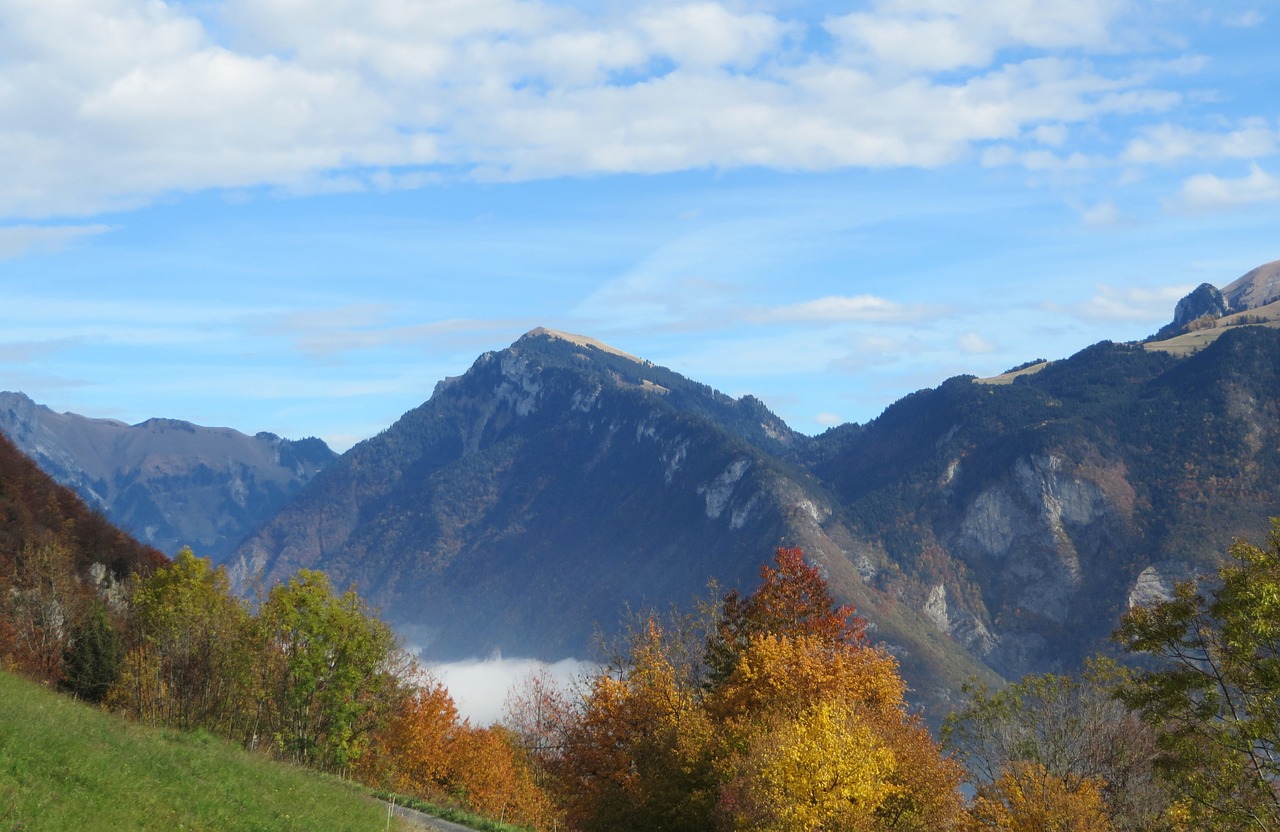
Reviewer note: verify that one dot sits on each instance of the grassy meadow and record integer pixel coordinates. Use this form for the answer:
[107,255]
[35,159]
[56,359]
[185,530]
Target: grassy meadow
[65,765]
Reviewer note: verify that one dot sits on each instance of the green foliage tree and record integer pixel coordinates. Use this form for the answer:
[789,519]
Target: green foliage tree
[1214,698]
[332,670]
[91,663]
[190,662]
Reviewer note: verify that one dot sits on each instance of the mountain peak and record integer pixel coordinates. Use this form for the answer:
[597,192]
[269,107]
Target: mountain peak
[581,341]
[1255,288]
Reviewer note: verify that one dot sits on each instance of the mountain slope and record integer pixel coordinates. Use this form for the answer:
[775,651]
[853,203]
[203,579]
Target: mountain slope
[169,483]
[530,501]
[1028,516]
[35,510]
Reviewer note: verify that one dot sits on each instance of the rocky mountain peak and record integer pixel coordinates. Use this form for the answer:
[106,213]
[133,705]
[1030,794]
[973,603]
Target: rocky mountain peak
[579,340]
[1204,301]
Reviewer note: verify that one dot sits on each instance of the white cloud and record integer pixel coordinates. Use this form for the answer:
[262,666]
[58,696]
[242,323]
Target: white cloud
[844,309]
[1207,191]
[971,343]
[480,687]
[1245,20]
[1135,303]
[950,34]
[1163,143]
[17,240]
[108,104]
[1103,214]
[828,419]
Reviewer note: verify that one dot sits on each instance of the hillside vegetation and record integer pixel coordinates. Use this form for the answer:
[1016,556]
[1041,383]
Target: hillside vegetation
[65,765]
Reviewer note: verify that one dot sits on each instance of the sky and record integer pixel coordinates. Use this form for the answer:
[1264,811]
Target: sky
[297,216]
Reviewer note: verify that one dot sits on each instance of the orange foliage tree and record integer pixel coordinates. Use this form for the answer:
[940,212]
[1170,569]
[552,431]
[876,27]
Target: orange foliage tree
[410,754]
[426,751]
[492,775]
[794,724]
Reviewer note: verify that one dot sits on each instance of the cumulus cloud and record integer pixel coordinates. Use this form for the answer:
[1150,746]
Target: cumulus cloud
[1207,191]
[931,35]
[109,104]
[1253,138]
[972,343]
[17,240]
[1134,303]
[844,309]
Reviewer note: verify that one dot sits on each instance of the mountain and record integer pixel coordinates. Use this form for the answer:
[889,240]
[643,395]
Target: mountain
[35,510]
[529,502]
[168,482]
[1001,525]
[1254,289]
[1025,517]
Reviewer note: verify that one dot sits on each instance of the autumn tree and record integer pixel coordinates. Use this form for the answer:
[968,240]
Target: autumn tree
[797,724]
[816,736]
[1027,797]
[637,756]
[490,774]
[410,753]
[539,711]
[793,599]
[1214,698]
[1074,730]
[42,605]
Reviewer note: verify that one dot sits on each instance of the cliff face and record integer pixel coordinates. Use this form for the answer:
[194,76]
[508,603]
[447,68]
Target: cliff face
[1023,519]
[169,483]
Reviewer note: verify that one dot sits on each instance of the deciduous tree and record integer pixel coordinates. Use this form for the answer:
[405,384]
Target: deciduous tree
[1075,729]
[332,670]
[1215,698]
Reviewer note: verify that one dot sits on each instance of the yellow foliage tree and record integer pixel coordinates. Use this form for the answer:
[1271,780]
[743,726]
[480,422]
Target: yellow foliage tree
[815,736]
[1028,798]
[636,759]
[796,724]
[823,770]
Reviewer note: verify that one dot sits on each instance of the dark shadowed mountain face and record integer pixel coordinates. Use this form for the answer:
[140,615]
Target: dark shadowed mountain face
[167,482]
[540,492]
[1004,526]
[530,501]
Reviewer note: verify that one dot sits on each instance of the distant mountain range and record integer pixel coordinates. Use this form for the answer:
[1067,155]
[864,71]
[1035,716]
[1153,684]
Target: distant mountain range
[169,483]
[987,526]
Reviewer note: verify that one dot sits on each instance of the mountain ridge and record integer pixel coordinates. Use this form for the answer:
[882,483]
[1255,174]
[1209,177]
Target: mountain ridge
[984,526]
[169,482]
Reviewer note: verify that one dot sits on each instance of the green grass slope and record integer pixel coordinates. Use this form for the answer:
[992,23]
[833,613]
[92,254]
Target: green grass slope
[65,765]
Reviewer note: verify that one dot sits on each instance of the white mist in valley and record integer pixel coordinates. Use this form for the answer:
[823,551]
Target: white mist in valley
[480,686]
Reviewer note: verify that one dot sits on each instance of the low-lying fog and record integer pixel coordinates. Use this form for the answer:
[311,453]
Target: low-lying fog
[480,686]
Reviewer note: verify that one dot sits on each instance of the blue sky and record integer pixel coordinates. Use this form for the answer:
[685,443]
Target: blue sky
[299,216]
